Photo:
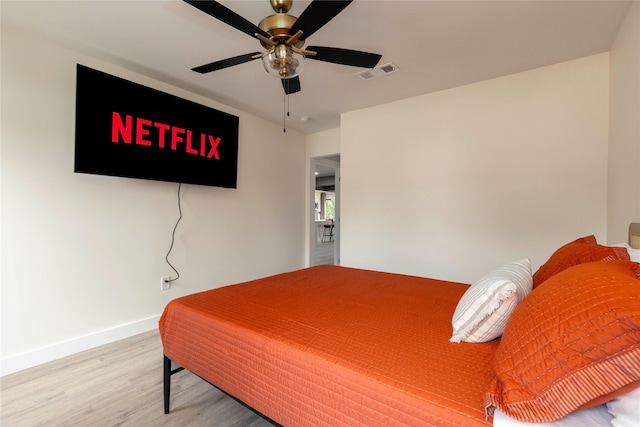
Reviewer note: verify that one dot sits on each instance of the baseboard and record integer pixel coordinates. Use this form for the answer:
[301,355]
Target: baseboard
[46,354]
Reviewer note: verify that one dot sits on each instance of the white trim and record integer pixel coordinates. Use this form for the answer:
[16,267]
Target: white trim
[29,359]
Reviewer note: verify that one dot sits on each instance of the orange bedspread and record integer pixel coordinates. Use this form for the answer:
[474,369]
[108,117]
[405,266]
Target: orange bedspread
[334,346]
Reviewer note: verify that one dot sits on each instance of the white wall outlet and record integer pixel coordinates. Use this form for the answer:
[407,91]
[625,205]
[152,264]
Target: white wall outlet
[165,283]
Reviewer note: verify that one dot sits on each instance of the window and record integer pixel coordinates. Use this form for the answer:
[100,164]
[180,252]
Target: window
[329,207]
[325,205]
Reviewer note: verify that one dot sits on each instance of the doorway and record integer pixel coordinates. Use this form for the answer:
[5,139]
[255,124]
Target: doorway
[326,211]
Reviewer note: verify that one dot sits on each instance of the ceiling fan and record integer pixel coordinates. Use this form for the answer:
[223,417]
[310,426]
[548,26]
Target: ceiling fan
[283,36]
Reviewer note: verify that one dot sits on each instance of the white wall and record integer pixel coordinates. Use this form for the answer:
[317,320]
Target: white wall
[82,255]
[453,184]
[624,131]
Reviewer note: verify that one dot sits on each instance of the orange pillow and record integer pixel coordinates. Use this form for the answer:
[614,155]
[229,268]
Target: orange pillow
[574,342]
[584,249]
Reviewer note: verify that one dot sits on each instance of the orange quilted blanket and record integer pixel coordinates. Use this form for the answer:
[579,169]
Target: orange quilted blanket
[331,346]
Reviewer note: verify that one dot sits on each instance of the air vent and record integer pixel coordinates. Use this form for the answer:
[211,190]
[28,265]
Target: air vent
[379,71]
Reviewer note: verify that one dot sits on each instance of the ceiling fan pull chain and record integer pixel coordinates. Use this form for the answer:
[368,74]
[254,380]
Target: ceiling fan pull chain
[284,116]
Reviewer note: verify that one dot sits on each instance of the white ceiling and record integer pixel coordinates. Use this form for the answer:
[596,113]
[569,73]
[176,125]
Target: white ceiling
[436,44]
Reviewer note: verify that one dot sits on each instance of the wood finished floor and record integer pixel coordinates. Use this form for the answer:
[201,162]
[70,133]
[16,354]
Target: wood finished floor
[118,384]
[324,253]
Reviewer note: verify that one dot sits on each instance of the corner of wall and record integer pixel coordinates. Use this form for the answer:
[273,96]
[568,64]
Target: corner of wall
[623,192]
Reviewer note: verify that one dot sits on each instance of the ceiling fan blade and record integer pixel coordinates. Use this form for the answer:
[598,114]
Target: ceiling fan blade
[316,15]
[227,16]
[336,55]
[229,62]
[291,85]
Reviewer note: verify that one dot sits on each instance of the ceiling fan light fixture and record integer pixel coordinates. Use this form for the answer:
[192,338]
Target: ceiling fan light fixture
[283,37]
[282,62]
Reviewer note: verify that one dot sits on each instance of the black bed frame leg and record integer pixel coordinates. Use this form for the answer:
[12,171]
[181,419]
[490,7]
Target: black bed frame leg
[166,379]
[166,370]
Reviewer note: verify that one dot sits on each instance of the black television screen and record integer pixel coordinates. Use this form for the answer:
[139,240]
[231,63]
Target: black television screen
[129,130]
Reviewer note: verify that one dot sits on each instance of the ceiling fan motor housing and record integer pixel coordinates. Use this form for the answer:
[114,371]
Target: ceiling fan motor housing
[278,26]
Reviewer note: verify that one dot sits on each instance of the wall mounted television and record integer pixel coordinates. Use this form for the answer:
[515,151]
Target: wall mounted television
[129,130]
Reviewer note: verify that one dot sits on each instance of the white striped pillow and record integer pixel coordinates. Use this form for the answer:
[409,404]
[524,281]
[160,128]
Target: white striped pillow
[483,311]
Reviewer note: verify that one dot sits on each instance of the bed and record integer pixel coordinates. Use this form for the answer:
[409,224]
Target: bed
[332,346]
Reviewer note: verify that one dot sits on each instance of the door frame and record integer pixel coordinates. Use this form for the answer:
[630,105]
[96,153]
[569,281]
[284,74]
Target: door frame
[335,165]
